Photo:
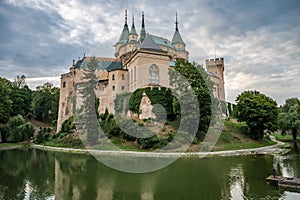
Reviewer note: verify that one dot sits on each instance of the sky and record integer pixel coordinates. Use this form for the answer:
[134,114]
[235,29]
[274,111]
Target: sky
[258,39]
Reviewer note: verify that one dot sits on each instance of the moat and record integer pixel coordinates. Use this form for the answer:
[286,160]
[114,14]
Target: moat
[35,174]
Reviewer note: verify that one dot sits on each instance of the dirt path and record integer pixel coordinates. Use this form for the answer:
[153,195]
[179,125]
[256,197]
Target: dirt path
[17,146]
[273,149]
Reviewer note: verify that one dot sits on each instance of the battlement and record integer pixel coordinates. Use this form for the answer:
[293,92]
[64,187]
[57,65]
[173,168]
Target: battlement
[214,62]
[65,75]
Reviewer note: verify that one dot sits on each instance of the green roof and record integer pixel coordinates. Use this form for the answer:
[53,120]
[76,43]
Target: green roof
[177,38]
[149,43]
[114,66]
[162,41]
[102,65]
[124,36]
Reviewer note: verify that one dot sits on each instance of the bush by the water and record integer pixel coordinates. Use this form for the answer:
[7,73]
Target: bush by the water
[16,130]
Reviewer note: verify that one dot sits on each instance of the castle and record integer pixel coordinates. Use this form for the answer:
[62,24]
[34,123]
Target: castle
[140,61]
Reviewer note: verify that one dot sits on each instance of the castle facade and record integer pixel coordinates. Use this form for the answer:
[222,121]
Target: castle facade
[140,61]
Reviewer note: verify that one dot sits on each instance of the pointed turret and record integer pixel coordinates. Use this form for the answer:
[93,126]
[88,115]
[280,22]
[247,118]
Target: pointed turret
[133,31]
[177,37]
[124,36]
[143,30]
[132,34]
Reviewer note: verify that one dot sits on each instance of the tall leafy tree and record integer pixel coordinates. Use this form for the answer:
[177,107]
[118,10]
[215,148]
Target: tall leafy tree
[21,97]
[195,78]
[289,117]
[18,130]
[258,111]
[45,102]
[5,100]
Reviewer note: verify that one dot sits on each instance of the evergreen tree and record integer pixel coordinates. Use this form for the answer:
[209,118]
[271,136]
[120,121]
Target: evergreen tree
[87,93]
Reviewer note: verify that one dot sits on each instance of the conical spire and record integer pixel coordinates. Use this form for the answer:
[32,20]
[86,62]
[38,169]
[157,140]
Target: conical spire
[143,30]
[125,32]
[177,37]
[133,31]
[176,28]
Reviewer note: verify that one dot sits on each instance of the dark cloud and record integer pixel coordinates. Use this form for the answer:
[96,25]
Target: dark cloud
[259,40]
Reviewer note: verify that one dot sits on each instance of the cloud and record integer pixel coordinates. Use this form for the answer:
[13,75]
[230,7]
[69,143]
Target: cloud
[259,40]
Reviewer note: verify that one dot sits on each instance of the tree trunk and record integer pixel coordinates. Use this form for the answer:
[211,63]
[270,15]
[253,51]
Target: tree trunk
[3,136]
[294,133]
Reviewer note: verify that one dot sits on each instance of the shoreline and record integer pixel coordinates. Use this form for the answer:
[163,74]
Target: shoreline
[267,150]
[16,146]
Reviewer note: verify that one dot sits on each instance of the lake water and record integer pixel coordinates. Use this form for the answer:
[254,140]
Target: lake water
[35,174]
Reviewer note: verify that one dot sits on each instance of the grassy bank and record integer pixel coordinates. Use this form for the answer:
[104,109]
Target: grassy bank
[7,146]
[285,138]
[234,137]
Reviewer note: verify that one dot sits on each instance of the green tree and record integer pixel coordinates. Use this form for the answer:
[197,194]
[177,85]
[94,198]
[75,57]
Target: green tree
[21,97]
[201,85]
[18,130]
[288,104]
[289,117]
[45,102]
[5,101]
[258,111]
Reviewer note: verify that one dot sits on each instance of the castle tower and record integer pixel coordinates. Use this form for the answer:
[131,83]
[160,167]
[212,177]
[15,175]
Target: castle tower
[143,30]
[124,36]
[177,39]
[216,67]
[132,34]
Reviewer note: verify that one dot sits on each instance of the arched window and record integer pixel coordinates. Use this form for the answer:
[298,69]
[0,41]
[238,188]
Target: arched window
[153,74]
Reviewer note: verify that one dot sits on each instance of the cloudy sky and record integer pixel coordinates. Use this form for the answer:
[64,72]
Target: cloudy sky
[259,39]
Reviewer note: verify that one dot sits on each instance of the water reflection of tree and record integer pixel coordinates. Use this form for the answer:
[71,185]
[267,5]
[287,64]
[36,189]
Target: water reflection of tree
[22,165]
[257,169]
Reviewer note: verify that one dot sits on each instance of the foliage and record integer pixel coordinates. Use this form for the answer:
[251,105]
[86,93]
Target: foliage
[109,126]
[121,103]
[45,102]
[202,87]
[68,125]
[160,96]
[258,111]
[135,100]
[5,100]
[18,130]
[21,97]
[42,136]
[288,104]
[289,117]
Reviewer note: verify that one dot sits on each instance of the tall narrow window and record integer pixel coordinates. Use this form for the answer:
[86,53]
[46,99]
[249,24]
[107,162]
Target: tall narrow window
[64,84]
[123,77]
[153,74]
[113,77]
